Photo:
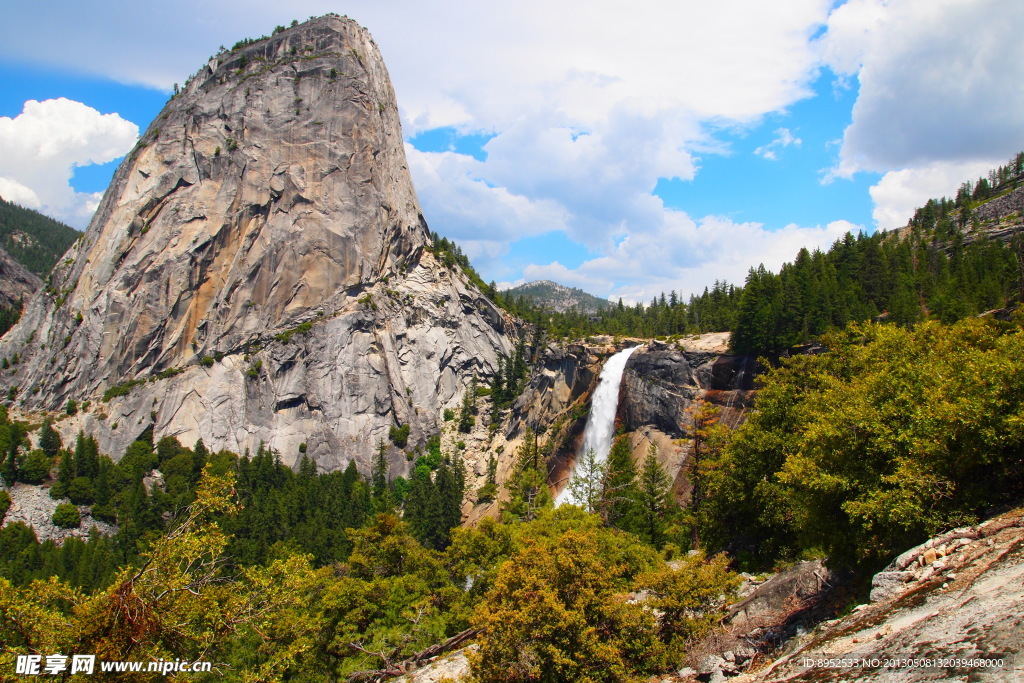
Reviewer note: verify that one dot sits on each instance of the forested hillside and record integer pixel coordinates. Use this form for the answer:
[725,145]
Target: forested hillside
[34,240]
[558,298]
[944,265]
[891,435]
[714,310]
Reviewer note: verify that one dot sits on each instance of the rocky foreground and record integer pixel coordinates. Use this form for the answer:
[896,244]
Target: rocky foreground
[951,609]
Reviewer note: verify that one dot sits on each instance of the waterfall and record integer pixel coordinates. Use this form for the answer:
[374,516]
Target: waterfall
[601,421]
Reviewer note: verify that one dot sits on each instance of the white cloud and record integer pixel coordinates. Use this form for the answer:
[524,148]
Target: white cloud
[939,81]
[482,217]
[686,255]
[589,105]
[899,193]
[13,191]
[784,138]
[40,148]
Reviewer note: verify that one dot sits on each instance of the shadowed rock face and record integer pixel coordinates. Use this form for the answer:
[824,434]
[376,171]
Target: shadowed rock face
[16,282]
[272,191]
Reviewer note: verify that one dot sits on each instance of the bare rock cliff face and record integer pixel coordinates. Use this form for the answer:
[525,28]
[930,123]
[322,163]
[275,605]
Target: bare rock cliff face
[662,381]
[261,259]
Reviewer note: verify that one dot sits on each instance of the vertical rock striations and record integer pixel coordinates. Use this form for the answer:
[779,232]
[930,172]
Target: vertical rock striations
[259,270]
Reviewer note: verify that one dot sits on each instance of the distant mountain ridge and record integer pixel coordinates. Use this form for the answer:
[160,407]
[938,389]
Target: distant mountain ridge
[559,297]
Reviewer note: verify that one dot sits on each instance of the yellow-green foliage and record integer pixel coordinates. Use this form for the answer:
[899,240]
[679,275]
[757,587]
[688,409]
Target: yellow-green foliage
[551,596]
[892,435]
[559,608]
[689,596]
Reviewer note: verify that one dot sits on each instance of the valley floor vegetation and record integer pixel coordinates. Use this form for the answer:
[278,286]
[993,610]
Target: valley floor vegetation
[279,575]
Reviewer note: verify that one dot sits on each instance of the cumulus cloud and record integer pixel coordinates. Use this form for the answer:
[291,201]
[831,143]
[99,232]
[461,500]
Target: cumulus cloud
[481,216]
[587,108]
[40,148]
[686,255]
[939,81]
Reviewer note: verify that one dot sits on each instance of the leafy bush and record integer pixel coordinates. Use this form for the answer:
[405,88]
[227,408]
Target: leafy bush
[122,389]
[890,437]
[5,504]
[301,328]
[66,516]
[35,467]
[81,491]
[254,370]
[399,435]
[554,611]
[104,512]
[487,493]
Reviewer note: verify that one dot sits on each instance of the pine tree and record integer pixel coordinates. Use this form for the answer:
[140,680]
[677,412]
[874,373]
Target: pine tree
[49,439]
[706,439]
[653,503]
[498,395]
[86,456]
[10,464]
[528,487]
[381,492]
[468,409]
[585,483]
[619,493]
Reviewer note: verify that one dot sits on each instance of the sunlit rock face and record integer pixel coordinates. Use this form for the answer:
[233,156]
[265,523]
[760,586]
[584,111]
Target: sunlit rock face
[261,263]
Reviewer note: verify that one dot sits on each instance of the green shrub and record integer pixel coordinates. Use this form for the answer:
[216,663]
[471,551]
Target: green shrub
[487,492]
[66,516]
[399,435]
[104,512]
[5,504]
[449,414]
[206,361]
[122,389]
[72,407]
[81,491]
[35,467]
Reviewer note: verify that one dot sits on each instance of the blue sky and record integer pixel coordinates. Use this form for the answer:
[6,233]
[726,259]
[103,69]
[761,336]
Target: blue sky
[625,151]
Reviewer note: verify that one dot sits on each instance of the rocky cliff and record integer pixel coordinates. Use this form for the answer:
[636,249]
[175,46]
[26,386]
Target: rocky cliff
[259,270]
[947,610]
[16,282]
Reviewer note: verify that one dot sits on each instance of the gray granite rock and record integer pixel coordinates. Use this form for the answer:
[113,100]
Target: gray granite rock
[33,506]
[272,192]
[16,282]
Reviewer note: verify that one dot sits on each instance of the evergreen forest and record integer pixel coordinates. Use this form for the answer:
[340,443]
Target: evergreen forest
[32,239]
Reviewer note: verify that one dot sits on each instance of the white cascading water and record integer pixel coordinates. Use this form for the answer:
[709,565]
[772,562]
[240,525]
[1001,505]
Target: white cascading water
[601,422]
